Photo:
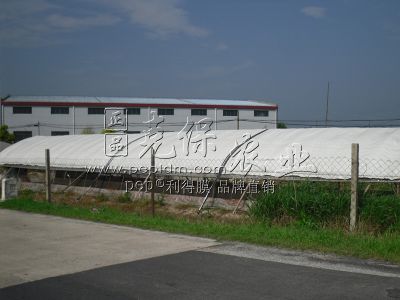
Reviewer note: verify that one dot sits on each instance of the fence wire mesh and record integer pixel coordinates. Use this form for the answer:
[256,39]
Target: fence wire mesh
[322,168]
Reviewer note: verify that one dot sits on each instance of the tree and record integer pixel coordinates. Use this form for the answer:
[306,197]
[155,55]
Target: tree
[87,130]
[5,136]
[281,125]
[105,131]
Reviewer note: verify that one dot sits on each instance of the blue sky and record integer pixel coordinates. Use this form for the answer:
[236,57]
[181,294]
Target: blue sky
[279,51]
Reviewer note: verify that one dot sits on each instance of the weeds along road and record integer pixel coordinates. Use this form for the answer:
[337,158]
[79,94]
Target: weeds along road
[47,257]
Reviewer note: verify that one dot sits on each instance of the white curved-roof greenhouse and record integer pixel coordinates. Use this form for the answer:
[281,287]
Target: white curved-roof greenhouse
[315,152]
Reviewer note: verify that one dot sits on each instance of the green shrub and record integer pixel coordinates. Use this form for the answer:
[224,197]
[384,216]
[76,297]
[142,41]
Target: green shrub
[26,194]
[87,130]
[107,130]
[383,210]
[124,198]
[5,135]
[101,197]
[161,200]
[306,202]
[316,203]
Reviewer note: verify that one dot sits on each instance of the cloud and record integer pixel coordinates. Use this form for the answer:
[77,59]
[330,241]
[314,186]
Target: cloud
[222,47]
[161,18]
[222,71]
[314,11]
[57,21]
[15,9]
[39,22]
[392,29]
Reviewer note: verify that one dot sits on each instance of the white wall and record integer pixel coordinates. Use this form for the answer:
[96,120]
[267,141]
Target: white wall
[246,114]
[61,122]
[39,114]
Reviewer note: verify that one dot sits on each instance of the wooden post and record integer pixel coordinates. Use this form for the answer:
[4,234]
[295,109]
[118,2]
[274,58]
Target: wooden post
[241,198]
[153,181]
[354,184]
[48,181]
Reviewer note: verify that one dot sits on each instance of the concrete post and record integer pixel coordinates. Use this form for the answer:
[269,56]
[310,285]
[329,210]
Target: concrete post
[153,181]
[48,181]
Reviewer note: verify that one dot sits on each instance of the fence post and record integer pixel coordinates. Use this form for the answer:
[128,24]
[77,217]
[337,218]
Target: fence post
[48,181]
[354,184]
[153,181]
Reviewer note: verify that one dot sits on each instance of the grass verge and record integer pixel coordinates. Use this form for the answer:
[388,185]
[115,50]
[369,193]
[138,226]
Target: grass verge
[385,246]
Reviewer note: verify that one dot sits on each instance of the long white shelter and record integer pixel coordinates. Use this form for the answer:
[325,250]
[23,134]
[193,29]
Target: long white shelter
[315,153]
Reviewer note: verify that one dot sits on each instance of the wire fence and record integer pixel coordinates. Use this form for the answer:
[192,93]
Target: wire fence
[314,168]
[207,183]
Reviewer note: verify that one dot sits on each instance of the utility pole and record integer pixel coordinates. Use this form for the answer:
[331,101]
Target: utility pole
[73,120]
[38,127]
[327,106]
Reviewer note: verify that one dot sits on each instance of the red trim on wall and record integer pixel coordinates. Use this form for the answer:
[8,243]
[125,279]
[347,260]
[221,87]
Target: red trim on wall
[104,104]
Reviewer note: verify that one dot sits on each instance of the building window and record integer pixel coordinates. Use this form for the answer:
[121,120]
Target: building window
[20,135]
[230,113]
[56,133]
[261,113]
[165,111]
[22,110]
[199,112]
[60,110]
[133,111]
[95,111]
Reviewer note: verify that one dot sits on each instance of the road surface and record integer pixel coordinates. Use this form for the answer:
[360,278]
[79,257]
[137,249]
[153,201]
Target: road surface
[47,257]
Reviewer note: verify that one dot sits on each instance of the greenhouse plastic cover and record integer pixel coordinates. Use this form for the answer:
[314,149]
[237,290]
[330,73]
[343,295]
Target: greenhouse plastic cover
[315,152]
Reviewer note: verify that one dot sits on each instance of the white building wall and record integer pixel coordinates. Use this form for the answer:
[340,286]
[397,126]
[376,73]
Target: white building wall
[225,122]
[256,122]
[46,122]
[83,121]
[40,121]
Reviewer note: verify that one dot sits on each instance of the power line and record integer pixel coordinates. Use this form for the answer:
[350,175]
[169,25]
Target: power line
[307,123]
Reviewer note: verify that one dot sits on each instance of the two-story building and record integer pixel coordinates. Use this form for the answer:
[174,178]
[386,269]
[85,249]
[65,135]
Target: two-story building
[28,116]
